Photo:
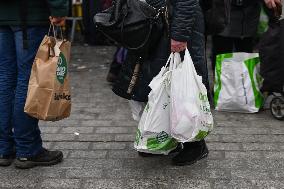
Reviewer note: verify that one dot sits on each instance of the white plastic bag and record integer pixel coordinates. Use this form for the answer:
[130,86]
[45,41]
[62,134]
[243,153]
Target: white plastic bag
[191,117]
[153,135]
[237,83]
[137,109]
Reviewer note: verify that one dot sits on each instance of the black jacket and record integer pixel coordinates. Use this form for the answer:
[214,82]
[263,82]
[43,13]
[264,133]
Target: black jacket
[183,18]
[244,19]
[186,25]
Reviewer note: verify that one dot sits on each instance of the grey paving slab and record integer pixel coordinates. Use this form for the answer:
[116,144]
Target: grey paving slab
[246,150]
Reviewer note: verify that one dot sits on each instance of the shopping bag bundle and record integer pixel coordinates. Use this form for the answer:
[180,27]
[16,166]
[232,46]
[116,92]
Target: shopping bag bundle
[191,117]
[178,109]
[237,83]
[153,135]
[49,96]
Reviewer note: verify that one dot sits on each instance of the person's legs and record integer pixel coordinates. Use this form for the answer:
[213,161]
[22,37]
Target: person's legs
[194,151]
[29,150]
[26,132]
[8,75]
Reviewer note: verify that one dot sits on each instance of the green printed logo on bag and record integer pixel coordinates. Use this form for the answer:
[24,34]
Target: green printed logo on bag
[61,70]
[138,136]
[201,135]
[162,142]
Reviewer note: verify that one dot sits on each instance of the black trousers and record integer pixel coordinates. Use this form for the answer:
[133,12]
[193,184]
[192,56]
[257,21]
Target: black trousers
[221,45]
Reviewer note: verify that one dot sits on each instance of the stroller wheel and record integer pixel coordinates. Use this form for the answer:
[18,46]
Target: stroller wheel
[277,108]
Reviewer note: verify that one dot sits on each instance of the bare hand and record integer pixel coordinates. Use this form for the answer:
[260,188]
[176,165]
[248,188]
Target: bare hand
[57,21]
[177,46]
[272,4]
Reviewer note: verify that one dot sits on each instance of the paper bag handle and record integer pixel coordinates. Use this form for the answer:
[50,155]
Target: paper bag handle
[51,26]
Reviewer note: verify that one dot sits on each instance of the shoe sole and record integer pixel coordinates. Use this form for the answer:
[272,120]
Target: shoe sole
[205,155]
[5,164]
[31,164]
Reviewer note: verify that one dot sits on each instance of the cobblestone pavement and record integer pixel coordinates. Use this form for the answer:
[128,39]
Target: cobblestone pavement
[246,151]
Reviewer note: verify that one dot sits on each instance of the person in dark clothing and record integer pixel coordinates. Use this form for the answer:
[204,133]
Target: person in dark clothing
[23,24]
[239,35]
[187,31]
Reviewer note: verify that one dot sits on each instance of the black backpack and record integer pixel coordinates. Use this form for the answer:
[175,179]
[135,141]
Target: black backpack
[217,15]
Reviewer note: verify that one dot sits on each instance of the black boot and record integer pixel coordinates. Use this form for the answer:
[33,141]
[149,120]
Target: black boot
[191,153]
[6,160]
[45,158]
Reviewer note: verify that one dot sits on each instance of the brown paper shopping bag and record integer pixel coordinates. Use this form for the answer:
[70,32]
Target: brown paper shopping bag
[49,96]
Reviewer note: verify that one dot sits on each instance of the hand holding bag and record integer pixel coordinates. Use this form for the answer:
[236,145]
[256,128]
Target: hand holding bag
[49,96]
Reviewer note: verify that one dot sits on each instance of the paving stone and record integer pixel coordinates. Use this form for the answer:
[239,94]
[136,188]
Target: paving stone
[124,173]
[243,155]
[96,137]
[116,130]
[88,154]
[249,131]
[250,174]
[274,155]
[264,184]
[109,145]
[265,164]
[96,123]
[225,164]
[84,173]
[103,163]
[278,173]
[261,147]
[18,183]
[71,163]
[232,184]
[45,129]
[77,129]
[223,130]
[122,154]
[104,184]
[147,184]
[124,137]
[72,145]
[58,137]
[191,184]
[61,183]
[224,146]
[187,172]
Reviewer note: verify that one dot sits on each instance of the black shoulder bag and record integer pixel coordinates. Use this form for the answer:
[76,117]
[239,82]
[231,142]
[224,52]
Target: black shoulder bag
[131,23]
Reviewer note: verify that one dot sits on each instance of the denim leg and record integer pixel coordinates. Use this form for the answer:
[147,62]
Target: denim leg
[8,75]
[26,131]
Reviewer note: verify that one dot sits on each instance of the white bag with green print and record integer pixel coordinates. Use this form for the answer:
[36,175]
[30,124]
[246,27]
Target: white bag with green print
[191,117]
[237,83]
[153,135]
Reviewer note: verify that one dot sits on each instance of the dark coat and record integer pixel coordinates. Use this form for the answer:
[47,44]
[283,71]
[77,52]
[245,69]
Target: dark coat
[186,24]
[243,19]
[271,57]
[38,11]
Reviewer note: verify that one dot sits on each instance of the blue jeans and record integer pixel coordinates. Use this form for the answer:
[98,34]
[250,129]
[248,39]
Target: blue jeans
[18,131]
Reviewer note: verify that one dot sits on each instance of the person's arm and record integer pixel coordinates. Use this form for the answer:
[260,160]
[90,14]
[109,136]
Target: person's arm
[183,19]
[58,11]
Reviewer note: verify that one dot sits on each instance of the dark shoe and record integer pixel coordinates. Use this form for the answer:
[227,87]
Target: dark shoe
[45,158]
[144,154]
[6,160]
[191,153]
